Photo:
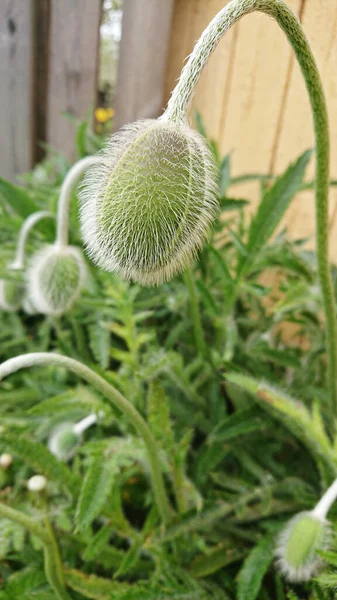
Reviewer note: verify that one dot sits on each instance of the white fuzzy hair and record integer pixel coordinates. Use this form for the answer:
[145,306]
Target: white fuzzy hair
[147,206]
[39,293]
[310,568]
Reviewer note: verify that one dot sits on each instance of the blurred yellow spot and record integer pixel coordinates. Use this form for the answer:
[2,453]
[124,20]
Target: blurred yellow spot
[102,115]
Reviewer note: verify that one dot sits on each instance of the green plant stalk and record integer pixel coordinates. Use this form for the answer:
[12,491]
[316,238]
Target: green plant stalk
[195,312]
[115,397]
[27,226]
[52,561]
[180,99]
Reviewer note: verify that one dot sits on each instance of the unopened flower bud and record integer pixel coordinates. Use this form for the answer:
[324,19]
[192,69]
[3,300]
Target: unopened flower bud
[297,546]
[55,278]
[37,483]
[11,294]
[148,204]
[5,460]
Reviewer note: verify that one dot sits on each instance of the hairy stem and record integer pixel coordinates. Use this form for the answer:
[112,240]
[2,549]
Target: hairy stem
[52,560]
[26,227]
[323,506]
[181,96]
[115,397]
[195,312]
[63,206]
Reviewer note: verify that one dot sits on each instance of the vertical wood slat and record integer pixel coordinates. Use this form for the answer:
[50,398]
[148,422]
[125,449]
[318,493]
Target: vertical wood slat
[260,110]
[16,87]
[74,37]
[143,55]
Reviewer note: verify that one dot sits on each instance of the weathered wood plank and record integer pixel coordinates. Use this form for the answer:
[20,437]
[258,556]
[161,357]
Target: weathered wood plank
[16,87]
[74,36]
[143,56]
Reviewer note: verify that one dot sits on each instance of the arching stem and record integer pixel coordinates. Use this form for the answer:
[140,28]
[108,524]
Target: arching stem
[52,561]
[115,397]
[63,206]
[181,96]
[27,226]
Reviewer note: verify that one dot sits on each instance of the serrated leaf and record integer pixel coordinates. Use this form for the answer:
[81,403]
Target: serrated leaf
[99,341]
[159,415]
[254,568]
[271,210]
[92,586]
[205,565]
[40,459]
[96,487]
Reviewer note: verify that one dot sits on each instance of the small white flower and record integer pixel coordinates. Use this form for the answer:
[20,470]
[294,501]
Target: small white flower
[37,483]
[5,460]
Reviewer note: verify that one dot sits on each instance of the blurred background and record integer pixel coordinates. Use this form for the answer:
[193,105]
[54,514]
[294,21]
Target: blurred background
[113,61]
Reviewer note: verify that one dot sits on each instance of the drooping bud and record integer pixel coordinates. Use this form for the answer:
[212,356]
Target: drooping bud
[147,205]
[298,543]
[11,294]
[37,483]
[66,437]
[55,278]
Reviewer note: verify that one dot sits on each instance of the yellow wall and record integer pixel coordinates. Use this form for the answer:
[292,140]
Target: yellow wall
[252,97]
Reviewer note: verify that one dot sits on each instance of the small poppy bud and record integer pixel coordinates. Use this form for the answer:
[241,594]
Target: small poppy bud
[11,294]
[37,483]
[5,460]
[297,546]
[55,278]
[147,205]
[66,438]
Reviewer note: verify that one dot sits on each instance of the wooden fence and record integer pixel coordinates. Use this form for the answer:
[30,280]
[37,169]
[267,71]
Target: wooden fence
[251,94]
[252,97]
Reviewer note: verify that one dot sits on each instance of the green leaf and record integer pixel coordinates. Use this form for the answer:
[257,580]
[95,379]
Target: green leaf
[205,565]
[200,124]
[96,487]
[159,415]
[254,568]
[95,587]
[17,198]
[40,459]
[271,210]
[99,341]
[225,169]
[228,204]
[240,423]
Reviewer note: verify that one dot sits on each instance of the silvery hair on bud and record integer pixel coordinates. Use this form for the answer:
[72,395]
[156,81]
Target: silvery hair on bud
[147,206]
[55,278]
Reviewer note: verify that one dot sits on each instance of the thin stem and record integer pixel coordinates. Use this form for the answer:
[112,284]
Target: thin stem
[63,205]
[181,96]
[52,560]
[323,506]
[84,424]
[28,224]
[115,397]
[195,312]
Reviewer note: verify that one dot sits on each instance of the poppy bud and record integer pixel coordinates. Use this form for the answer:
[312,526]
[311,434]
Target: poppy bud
[147,205]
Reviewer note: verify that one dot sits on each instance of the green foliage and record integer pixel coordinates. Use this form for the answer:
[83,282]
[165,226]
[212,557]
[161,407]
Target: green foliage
[244,432]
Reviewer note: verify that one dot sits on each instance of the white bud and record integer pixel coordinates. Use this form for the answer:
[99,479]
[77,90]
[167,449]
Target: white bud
[148,204]
[64,441]
[5,460]
[55,278]
[37,483]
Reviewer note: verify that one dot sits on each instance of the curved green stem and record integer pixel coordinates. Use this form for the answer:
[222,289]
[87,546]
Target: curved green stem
[181,96]
[26,227]
[115,397]
[52,560]
[195,312]
[63,205]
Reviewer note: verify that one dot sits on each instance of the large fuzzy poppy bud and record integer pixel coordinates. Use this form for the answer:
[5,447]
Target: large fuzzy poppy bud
[148,204]
[55,278]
